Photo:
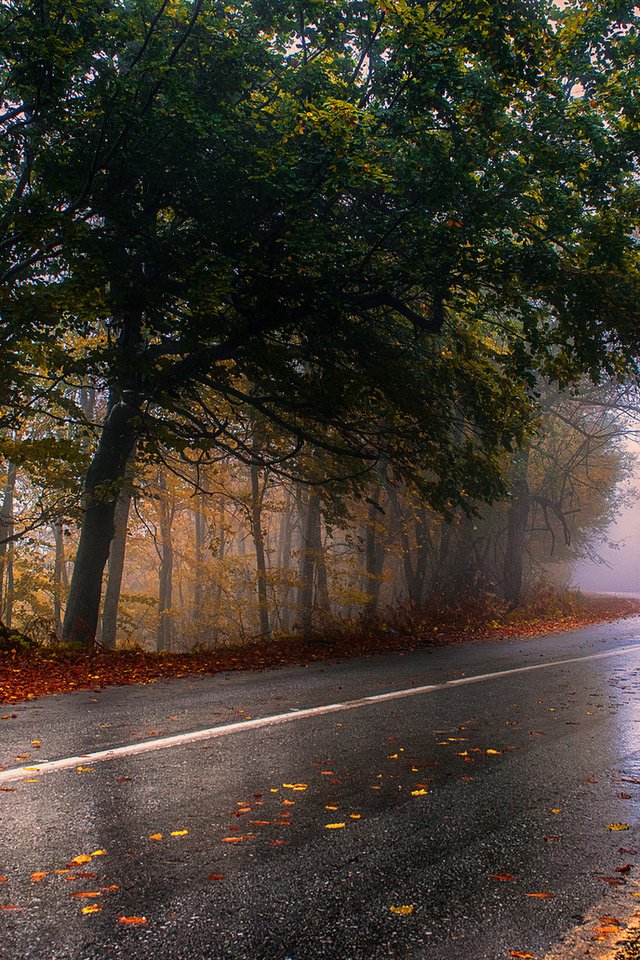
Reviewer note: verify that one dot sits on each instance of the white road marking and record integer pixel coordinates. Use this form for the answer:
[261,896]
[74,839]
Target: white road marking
[180,739]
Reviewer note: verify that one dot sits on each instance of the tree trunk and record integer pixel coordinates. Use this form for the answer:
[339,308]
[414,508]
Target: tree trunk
[308,560]
[517,519]
[165,591]
[373,554]
[8,607]
[101,492]
[59,575]
[6,528]
[200,530]
[258,540]
[116,559]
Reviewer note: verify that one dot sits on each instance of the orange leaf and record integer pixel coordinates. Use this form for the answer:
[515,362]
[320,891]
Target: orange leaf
[216,876]
[156,836]
[541,896]
[86,894]
[132,920]
[521,954]
[82,858]
[232,839]
[92,908]
[38,875]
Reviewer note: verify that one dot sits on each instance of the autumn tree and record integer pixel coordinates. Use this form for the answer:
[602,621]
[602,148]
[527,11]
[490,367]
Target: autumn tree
[364,224]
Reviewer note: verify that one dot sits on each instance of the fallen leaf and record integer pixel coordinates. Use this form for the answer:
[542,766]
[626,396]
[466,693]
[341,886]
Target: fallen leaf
[81,858]
[617,826]
[523,955]
[624,869]
[3,879]
[232,839]
[86,894]
[502,876]
[494,753]
[98,853]
[541,896]
[132,920]
[295,786]
[404,911]
[419,793]
[355,816]
[334,826]
[613,881]
[39,875]
[9,906]
[179,833]
[156,836]
[216,876]
[92,908]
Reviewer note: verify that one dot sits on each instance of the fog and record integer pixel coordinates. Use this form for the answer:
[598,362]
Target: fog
[620,569]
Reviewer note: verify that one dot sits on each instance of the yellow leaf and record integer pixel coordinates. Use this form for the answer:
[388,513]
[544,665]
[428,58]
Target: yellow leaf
[334,826]
[82,858]
[179,833]
[92,908]
[494,752]
[404,911]
[295,786]
[330,807]
[98,853]
[617,826]
[419,793]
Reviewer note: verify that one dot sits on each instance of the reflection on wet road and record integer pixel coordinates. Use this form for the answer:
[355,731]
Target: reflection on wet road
[475,822]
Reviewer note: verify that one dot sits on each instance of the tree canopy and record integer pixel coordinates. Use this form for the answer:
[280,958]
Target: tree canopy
[368,223]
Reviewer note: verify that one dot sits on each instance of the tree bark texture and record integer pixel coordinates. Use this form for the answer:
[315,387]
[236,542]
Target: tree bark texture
[101,492]
[117,552]
[258,540]
[517,520]
[165,587]
[6,530]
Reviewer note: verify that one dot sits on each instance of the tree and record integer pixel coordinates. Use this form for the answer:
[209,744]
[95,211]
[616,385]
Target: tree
[368,236]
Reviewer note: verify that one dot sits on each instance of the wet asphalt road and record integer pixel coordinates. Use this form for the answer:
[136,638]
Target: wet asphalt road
[438,793]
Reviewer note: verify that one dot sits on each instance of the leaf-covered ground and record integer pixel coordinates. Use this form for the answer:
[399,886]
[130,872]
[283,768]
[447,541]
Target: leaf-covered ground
[29,674]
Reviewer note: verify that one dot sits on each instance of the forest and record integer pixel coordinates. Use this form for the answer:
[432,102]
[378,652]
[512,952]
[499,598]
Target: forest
[312,313]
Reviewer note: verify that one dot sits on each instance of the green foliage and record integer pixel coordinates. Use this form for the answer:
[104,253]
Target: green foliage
[370,222]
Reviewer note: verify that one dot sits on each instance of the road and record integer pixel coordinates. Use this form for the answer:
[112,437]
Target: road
[294,839]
